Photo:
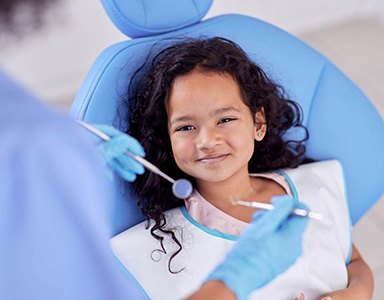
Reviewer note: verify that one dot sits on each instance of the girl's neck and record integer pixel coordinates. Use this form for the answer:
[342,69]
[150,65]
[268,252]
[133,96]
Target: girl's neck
[220,194]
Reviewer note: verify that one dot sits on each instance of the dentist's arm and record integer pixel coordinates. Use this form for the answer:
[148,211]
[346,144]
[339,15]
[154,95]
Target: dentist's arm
[213,290]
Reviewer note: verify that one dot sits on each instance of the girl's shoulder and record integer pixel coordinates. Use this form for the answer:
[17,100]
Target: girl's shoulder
[332,164]
[327,171]
[326,174]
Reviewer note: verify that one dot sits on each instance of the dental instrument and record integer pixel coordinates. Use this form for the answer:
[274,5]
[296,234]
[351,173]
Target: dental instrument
[267,206]
[181,188]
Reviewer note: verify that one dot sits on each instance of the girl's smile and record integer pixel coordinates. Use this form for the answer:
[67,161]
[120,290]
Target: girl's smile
[213,159]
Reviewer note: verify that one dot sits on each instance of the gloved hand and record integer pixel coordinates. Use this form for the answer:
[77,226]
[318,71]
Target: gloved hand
[268,247]
[113,152]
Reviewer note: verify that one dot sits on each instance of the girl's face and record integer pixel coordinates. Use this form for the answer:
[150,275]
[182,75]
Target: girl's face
[212,131]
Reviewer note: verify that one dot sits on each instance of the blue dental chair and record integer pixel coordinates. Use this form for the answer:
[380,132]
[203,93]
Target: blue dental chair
[342,122]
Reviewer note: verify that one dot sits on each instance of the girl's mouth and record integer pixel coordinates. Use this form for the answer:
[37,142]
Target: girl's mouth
[212,159]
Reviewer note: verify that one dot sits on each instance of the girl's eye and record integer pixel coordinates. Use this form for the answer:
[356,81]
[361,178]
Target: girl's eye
[185,128]
[226,120]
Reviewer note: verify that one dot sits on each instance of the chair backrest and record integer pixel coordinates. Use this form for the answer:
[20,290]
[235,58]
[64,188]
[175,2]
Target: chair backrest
[342,122]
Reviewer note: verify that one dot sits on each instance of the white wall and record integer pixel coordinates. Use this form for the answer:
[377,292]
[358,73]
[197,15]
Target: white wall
[54,62]
[298,16]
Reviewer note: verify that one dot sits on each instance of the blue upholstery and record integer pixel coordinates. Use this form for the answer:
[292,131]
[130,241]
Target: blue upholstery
[137,18]
[342,122]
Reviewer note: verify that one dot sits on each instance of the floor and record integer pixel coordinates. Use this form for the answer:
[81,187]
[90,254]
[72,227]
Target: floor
[357,48]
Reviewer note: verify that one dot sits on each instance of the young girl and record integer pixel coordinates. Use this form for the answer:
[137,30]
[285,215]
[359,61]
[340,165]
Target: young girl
[206,112]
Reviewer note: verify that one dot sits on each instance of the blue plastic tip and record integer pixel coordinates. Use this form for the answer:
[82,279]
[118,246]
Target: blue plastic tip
[182,188]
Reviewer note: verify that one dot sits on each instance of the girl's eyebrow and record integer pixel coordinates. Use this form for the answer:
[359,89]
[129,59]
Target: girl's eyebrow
[224,110]
[213,113]
[180,119]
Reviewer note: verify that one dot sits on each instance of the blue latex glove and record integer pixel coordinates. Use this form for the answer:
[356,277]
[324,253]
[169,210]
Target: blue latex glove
[268,247]
[113,152]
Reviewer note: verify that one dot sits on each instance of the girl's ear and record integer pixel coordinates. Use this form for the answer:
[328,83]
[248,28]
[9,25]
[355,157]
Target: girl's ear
[260,125]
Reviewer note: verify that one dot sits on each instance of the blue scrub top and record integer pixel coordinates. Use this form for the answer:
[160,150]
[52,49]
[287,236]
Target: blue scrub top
[54,232]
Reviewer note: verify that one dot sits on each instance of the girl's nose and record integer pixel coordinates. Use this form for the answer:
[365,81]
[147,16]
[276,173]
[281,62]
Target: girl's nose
[207,138]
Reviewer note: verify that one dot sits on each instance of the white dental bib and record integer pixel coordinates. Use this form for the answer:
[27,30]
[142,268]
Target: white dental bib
[320,269]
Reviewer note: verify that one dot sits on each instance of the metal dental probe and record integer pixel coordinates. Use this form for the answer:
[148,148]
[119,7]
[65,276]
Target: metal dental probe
[267,206]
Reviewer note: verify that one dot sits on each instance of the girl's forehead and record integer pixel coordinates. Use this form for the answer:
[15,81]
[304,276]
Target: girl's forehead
[204,93]
[206,87]
[198,74]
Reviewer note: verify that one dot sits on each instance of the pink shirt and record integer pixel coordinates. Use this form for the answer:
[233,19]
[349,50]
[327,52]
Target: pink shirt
[210,216]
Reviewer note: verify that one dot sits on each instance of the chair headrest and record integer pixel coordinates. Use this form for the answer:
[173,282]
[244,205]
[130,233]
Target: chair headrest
[138,18]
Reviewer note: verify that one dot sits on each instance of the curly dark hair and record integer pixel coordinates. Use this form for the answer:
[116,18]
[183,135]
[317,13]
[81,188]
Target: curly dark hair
[148,118]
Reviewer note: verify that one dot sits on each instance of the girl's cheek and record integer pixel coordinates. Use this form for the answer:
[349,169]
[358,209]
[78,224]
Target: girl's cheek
[178,147]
